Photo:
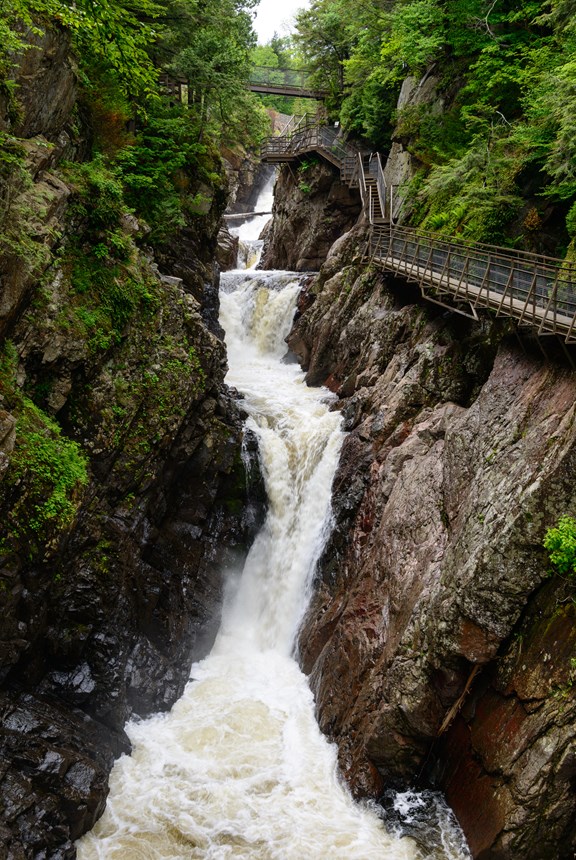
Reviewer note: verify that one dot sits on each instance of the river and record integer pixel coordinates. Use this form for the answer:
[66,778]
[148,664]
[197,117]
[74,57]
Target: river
[238,768]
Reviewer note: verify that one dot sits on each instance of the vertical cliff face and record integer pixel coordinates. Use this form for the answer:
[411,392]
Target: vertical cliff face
[121,480]
[312,208]
[436,646]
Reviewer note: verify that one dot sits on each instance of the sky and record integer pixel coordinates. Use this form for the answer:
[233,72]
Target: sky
[275,15]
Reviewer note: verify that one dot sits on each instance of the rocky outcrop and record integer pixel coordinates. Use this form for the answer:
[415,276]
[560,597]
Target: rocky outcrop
[312,208]
[247,175]
[227,251]
[45,68]
[434,649]
[418,98]
[122,486]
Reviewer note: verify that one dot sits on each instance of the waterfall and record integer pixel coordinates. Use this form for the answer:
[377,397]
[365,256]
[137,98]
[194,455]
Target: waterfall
[239,769]
[249,244]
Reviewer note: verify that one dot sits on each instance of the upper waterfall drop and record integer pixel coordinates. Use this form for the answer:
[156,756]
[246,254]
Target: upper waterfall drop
[248,233]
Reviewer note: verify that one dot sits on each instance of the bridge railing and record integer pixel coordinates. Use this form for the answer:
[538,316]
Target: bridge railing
[306,134]
[269,76]
[537,291]
[385,197]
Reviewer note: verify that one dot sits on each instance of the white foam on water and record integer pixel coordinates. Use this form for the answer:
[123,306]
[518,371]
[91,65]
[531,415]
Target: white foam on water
[238,768]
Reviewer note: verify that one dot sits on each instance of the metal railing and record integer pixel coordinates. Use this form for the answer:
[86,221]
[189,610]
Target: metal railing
[537,291]
[285,77]
[308,135]
[297,82]
[385,199]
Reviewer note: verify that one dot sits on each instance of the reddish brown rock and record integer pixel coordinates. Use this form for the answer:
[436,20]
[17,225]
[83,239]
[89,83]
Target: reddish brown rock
[461,452]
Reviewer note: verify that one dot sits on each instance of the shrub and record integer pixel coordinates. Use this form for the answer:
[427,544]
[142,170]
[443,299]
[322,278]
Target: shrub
[560,542]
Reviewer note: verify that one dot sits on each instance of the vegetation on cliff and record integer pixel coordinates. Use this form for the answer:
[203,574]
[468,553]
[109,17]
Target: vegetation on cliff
[134,151]
[560,541]
[496,147]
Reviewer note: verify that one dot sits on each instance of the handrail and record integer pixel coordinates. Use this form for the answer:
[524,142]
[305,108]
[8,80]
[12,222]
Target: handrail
[362,177]
[275,75]
[307,135]
[536,290]
[385,203]
[295,82]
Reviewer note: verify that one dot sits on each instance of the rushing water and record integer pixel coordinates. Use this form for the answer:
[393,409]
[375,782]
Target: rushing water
[249,242]
[239,769]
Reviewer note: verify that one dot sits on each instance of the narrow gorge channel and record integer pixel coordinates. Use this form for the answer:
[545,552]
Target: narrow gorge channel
[239,768]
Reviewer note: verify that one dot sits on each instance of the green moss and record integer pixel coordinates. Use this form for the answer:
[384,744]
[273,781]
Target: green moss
[53,467]
[22,210]
[41,489]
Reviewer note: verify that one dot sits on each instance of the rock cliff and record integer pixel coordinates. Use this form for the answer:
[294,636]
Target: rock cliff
[312,208]
[437,646]
[121,476]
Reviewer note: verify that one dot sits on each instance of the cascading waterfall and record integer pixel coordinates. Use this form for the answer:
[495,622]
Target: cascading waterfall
[249,243]
[239,769]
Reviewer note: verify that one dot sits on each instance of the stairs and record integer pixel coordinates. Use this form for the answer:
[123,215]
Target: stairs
[374,204]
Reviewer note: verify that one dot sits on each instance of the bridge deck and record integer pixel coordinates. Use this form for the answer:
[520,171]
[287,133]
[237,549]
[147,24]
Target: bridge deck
[279,90]
[535,294]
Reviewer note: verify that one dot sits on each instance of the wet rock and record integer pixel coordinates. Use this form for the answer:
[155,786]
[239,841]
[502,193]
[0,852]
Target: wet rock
[227,252]
[53,782]
[461,452]
[247,175]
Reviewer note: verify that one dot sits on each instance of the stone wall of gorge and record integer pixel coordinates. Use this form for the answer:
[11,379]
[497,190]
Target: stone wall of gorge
[107,593]
[312,208]
[439,648]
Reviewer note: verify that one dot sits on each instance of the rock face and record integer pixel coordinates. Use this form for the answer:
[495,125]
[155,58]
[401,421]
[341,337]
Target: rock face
[247,175]
[312,208]
[401,165]
[436,646]
[110,589]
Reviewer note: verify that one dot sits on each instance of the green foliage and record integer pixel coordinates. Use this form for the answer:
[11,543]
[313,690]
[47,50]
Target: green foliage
[54,470]
[210,46]
[121,46]
[156,170]
[116,33]
[99,195]
[279,53]
[47,471]
[506,73]
[473,194]
[109,294]
[560,541]
[414,36]
[108,283]
[323,39]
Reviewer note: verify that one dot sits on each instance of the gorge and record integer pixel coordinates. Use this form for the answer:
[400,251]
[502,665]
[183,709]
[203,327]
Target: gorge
[438,645]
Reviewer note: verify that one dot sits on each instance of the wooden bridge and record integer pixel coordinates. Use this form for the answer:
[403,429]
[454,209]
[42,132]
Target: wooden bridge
[538,292]
[284,82]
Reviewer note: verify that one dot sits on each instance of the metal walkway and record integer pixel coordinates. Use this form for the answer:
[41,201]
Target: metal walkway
[538,292]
